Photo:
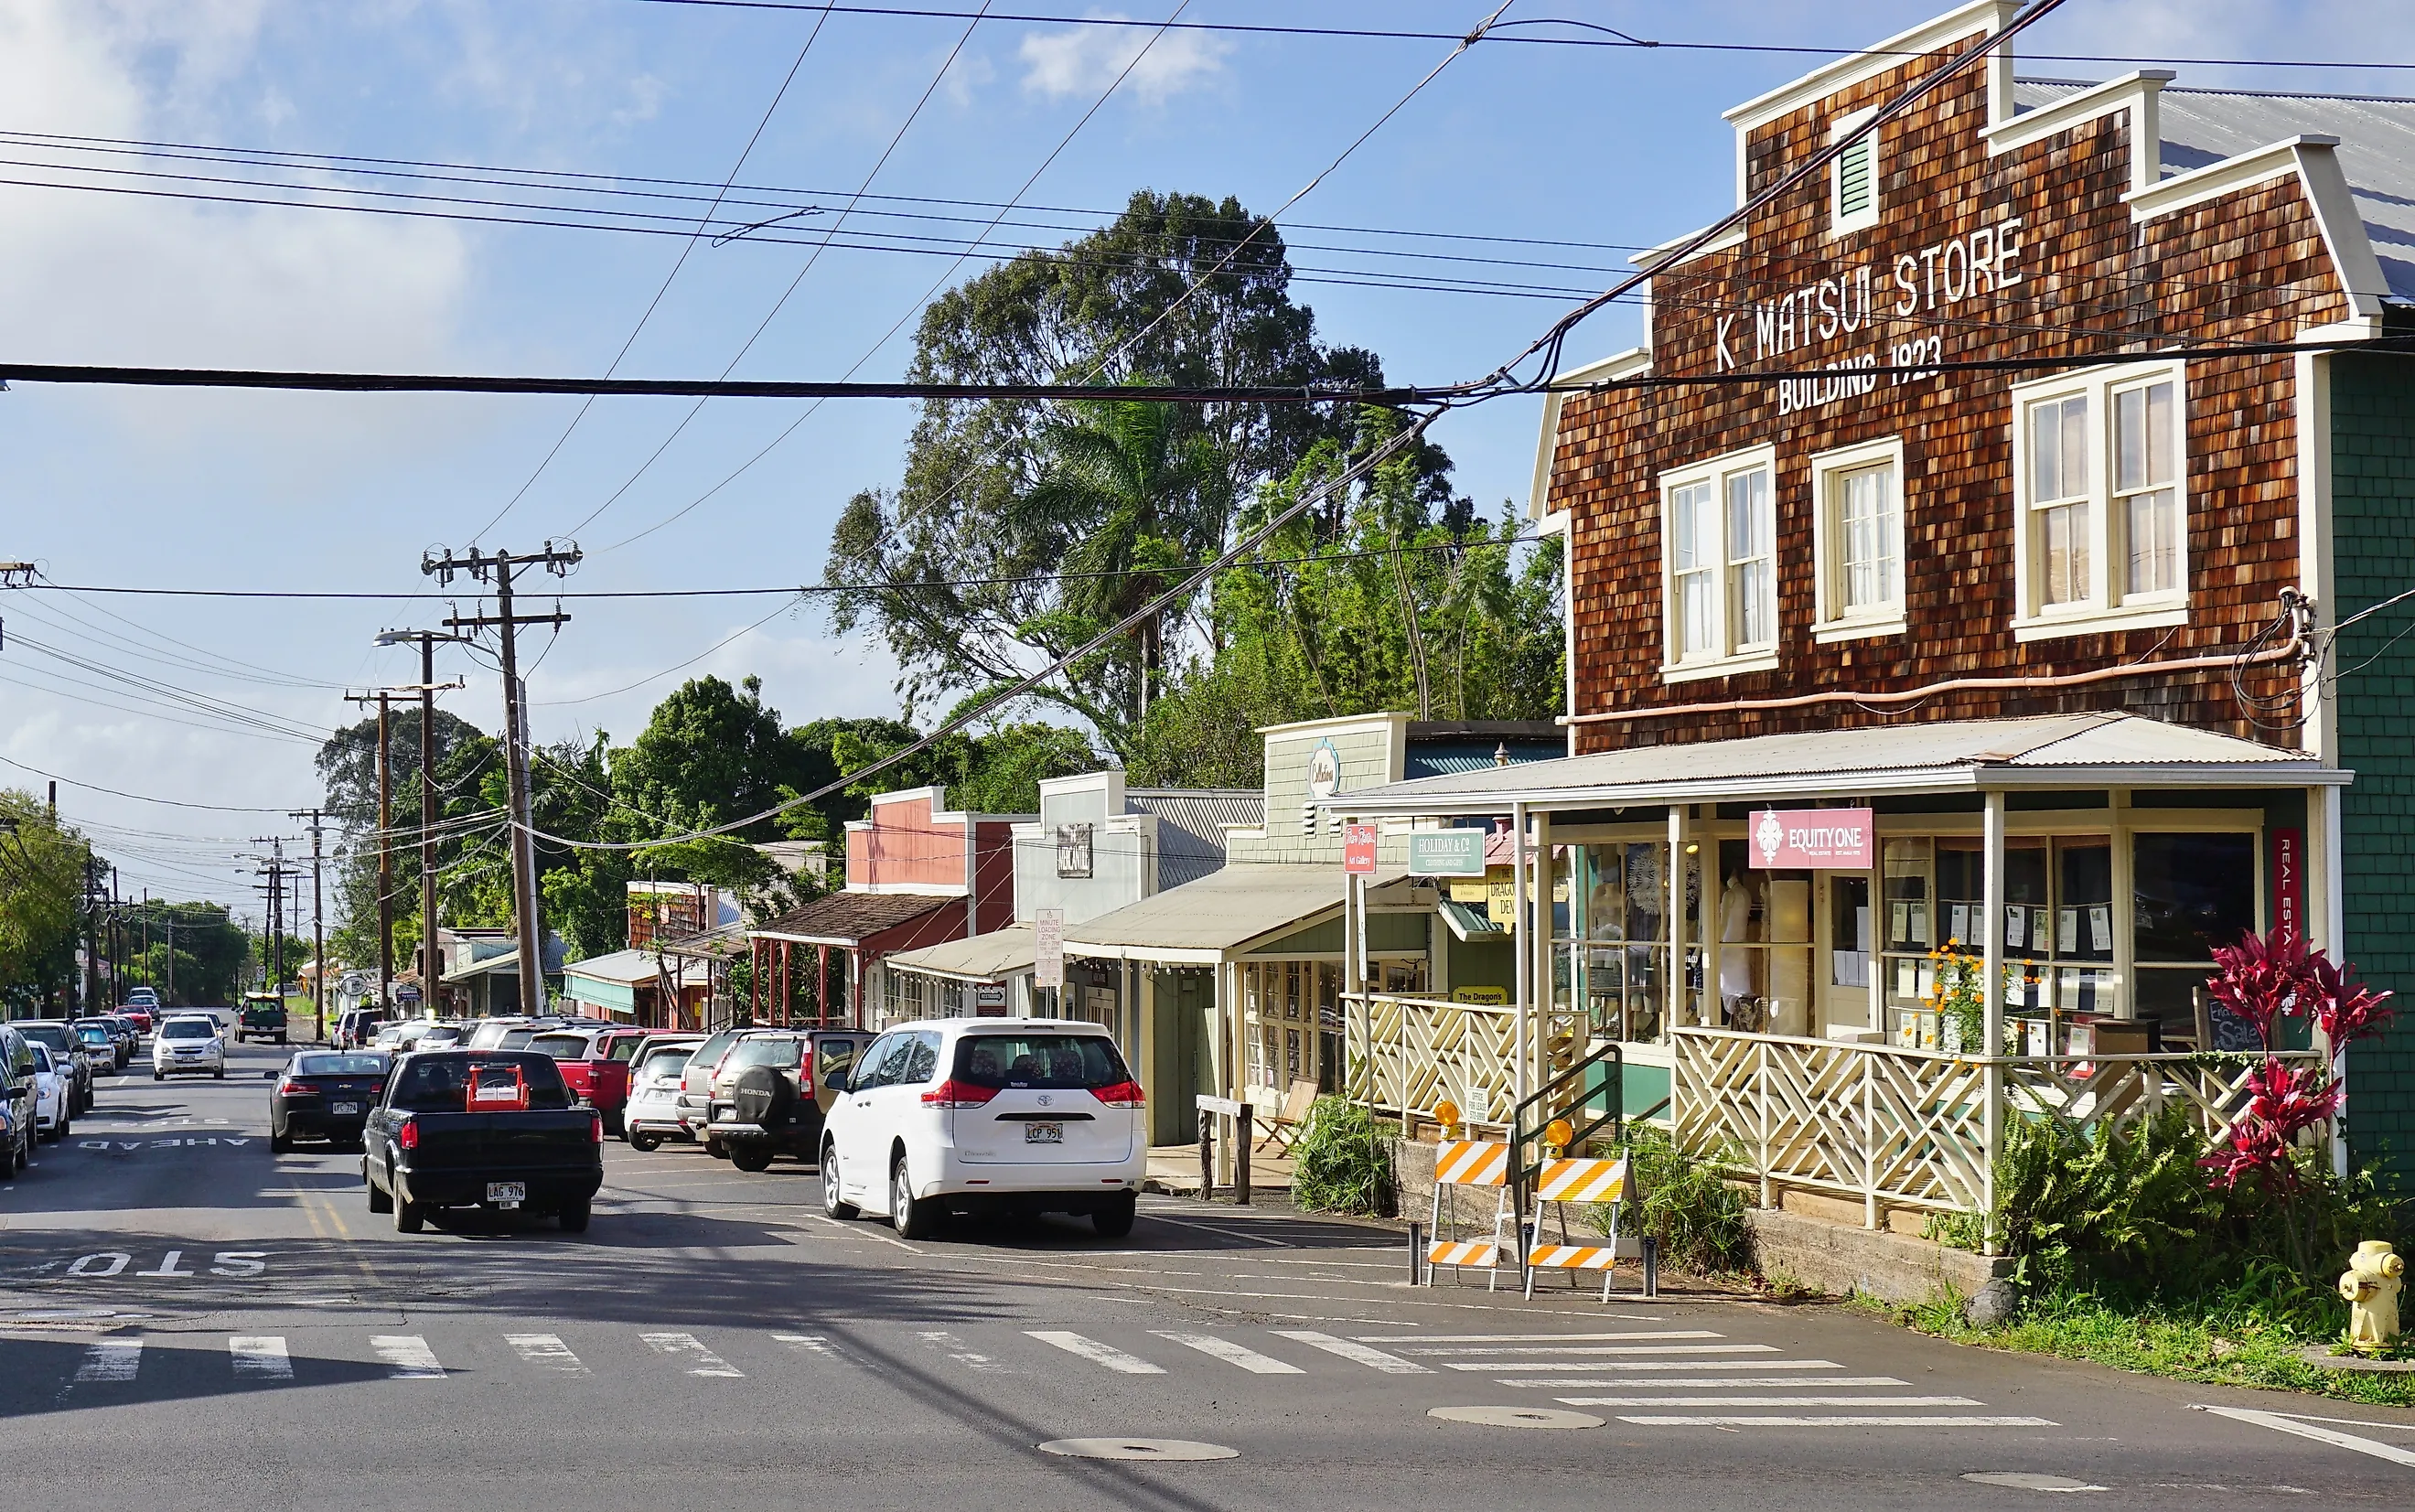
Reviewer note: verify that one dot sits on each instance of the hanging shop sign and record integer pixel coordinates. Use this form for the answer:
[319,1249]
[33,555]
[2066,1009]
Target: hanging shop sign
[1812,839]
[1359,850]
[1446,853]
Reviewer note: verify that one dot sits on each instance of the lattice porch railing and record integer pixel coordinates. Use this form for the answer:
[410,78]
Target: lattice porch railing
[1898,1128]
[1407,1054]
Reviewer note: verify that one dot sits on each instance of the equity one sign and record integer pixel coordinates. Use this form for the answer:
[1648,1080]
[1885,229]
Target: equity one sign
[1819,839]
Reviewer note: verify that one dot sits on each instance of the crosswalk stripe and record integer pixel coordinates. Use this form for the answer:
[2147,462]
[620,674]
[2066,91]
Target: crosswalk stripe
[1467,1350]
[261,1355]
[1771,1402]
[1588,1353]
[1097,1354]
[547,1351]
[1936,1421]
[1527,1339]
[1723,1382]
[941,1338]
[1374,1359]
[408,1356]
[110,1359]
[702,1361]
[1226,1350]
[817,1345]
[1632,1366]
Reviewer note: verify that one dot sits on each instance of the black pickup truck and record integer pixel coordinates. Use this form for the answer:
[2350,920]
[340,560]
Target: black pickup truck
[488,1128]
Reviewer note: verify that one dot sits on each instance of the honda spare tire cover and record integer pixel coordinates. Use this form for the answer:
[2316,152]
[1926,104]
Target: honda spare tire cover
[762,1096]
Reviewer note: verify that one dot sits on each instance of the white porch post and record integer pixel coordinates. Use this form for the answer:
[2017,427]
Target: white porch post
[1545,979]
[1520,948]
[1676,1010]
[1354,980]
[1991,989]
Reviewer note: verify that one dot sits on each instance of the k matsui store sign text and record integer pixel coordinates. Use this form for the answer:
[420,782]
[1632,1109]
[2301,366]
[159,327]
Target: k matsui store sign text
[1813,839]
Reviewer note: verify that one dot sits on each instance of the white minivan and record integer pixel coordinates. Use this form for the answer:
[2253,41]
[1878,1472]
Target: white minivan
[988,1115]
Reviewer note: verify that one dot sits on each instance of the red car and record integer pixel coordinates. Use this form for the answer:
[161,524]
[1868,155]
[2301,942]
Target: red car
[595,1063]
[136,1015]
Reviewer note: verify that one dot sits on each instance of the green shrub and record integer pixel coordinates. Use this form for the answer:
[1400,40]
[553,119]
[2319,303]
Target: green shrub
[1341,1162]
[1687,1206]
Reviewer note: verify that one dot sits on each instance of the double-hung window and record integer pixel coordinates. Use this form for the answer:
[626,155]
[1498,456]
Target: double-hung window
[1858,540]
[1719,526]
[2099,467]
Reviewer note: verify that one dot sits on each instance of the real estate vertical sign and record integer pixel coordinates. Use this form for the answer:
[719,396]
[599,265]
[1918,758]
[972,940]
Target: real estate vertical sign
[2290,881]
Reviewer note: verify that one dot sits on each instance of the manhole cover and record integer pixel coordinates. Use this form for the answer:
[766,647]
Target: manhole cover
[2029,1480]
[1516,1416]
[1138,1449]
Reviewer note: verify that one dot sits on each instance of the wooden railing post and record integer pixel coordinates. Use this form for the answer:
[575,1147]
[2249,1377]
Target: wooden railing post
[1868,1064]
[1760,1087]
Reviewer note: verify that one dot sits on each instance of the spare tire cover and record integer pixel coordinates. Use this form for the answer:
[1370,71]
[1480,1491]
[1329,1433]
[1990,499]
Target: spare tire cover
[762,1096]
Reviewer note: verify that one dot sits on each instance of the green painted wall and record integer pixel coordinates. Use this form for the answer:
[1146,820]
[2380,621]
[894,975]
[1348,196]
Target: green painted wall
[2373,512]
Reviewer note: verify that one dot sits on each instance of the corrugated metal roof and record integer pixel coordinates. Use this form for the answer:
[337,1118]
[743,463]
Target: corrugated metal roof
[625,967]
[1219,913]
[1969,756]
[991,957]
[1468,922]
[2377,150]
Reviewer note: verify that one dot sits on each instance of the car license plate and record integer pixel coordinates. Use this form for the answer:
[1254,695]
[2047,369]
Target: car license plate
[347,1107]
[1044,1133]
[507,1193]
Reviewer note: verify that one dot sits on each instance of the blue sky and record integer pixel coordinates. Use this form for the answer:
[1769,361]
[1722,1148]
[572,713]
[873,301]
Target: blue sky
[1609,148]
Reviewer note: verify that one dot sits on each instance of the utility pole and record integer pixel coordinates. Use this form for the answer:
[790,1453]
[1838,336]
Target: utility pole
[169,922]
[498,569]
[430,956]
[385,846]
[318,917]
[91,930]
[272,966]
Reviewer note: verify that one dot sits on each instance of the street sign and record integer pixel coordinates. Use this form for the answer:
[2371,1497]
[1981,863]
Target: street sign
[407,996]
[1820,839]
[1048,947]
[1359,850]
[1446,853]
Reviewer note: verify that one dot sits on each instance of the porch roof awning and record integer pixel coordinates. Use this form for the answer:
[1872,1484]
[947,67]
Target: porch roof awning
[991,957]
[849,918]
[1205,922]
[2053,751]
[624,969]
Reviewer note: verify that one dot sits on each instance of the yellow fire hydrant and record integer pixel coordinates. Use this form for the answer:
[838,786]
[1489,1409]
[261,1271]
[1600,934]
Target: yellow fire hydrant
[2375,1275]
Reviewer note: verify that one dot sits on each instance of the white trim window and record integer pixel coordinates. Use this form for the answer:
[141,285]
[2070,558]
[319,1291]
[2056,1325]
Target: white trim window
[1858,540]
[1853,177]
[2099,476]
[1719,526]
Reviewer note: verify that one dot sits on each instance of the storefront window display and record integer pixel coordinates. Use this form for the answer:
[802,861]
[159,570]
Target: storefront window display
[1609,929]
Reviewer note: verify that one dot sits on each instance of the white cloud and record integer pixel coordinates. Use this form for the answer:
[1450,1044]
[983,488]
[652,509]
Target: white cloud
[1084,60]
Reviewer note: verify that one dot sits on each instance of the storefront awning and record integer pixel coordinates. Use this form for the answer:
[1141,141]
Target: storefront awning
[849,919]
[1219,915]
[991,957]
[2049,752]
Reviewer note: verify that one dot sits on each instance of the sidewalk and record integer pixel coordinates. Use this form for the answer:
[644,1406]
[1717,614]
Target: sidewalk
[1174,1170]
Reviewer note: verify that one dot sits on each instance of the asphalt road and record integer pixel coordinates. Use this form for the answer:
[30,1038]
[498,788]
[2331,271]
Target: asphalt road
[186,1321]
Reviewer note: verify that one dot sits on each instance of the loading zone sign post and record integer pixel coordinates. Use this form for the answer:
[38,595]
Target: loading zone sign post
[1048,947]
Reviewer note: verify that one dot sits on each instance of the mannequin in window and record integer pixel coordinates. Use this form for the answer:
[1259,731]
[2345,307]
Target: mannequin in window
[1736,905]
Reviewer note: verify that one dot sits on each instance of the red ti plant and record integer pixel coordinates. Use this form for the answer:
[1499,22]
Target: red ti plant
[2263,980]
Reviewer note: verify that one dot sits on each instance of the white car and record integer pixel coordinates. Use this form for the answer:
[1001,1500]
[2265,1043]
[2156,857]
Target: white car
[974,1116]
[652,1114]
[187,1043]
[52,1088]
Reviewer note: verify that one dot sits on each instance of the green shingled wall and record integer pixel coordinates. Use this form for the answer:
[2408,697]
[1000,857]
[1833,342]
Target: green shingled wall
[2373,512]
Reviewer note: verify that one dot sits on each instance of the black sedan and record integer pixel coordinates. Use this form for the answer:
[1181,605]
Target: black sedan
[324,1095]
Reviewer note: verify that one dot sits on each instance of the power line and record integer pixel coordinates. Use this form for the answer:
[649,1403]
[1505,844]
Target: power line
[1607,37]
[655,302]
[140,798]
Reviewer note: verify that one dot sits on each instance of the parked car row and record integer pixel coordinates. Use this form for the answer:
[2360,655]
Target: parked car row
[916,1124]
[50,1072]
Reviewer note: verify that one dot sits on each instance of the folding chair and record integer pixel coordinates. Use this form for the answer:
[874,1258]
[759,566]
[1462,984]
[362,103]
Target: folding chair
[1286,1128]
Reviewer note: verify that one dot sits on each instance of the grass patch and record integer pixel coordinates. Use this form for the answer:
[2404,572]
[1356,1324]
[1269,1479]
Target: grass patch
[2215,1339]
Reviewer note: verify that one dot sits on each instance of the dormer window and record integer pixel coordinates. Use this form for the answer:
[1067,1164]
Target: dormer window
[1853,178]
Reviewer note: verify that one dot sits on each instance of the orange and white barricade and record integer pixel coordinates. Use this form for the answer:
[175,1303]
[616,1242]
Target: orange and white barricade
[1476,1163]
[1566,1180]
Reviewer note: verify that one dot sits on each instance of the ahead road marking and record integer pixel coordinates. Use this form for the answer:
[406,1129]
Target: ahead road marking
[408,1356]
[260,1356]
[2281,1424]
[1226,1350]
[1374,1359]
[110,1359]
[547,1349]
[1091,1349]
[706,1362]
[1940,1421]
